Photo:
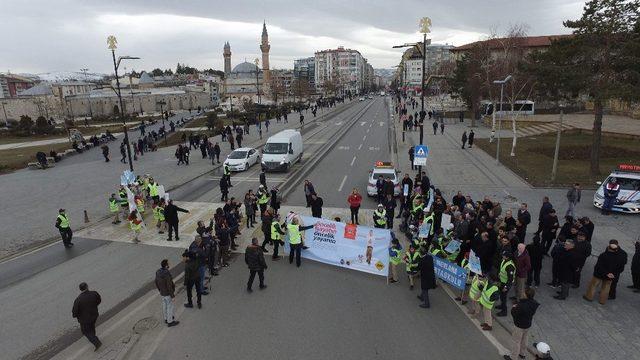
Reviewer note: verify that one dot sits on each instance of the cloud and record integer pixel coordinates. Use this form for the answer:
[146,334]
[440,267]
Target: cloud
[72,34]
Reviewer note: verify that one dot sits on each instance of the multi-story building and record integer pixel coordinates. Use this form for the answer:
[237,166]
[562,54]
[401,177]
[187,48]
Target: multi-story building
[11,85]
[411,64]
[280,83]
[305,70]
[340,71]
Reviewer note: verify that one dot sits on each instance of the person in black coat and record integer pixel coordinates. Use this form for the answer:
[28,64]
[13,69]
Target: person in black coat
[224,189]
[263,178]
[621,261]
[191,278]
[254,258]
[316,206]
[85,310]
[171,217]
[609,265]
[427,279]
[583,251]
[522,313]
[567,263]
[545,209]
[635,269]
[536,254]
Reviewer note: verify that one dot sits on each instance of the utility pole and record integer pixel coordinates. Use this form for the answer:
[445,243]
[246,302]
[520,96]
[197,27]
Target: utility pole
[554,170]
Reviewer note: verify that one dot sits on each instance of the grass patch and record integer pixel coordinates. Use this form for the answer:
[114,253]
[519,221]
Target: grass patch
[534,157]
[8,138]
[14,159]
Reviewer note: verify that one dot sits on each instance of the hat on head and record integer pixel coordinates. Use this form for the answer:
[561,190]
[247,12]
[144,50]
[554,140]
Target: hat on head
[506,253]
[380,205]
[613,241]
[61,210]
[543,348]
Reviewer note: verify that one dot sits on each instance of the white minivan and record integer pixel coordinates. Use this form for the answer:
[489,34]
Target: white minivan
[282,150]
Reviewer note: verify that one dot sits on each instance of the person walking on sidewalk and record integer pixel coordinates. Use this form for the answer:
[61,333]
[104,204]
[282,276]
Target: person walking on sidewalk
[412,151]
[522,313]
[472,135]
[435,127]
[354,200]
[442,128]
[64,226]
[427,279]
[604,272]
[573,197]
[464,138]
[216,152]
[85,310]
[167,288]
[254,258]
[105,152]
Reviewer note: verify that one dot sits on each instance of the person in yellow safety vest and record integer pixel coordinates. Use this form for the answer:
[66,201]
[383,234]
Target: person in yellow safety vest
[488,297]
[428,218]
[64,226]
[295,240]
[416,208]
[263,199]
[478,283]
[135,223]
[139,204]
[276,236]
[114,208]
[395,258]
[153,191]
[124,201]
[158,214]
[506,277]
[227,173]
[411,260]
[380,217]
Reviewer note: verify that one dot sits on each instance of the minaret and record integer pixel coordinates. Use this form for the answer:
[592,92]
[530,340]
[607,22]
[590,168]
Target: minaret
[227,59]
[265,47]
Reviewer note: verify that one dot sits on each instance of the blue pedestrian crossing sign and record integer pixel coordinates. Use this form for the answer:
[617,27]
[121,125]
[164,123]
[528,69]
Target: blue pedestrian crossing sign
[420,155]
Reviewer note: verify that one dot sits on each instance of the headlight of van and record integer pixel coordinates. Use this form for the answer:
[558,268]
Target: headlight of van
[598,197]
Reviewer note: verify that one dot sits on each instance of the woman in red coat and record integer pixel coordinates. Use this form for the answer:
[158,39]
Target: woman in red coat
[354,200]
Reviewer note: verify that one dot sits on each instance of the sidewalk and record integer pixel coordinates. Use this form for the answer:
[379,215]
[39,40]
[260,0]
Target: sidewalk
[574,328]
[31,199]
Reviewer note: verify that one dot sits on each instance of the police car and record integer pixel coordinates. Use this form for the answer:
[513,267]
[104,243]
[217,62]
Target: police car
[628,200]
[387,171]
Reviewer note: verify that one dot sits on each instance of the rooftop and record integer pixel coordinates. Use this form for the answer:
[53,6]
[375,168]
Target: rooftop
[527,41]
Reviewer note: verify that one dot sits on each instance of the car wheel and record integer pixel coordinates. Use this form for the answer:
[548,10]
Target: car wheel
[246,166]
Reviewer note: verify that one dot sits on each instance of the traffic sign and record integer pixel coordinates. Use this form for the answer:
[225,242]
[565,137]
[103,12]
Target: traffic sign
[420,155]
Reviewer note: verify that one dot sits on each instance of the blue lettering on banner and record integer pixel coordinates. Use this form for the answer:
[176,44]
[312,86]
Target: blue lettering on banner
[450,273]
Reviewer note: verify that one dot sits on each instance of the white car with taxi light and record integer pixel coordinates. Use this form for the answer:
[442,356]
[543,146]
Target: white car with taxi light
[387,171]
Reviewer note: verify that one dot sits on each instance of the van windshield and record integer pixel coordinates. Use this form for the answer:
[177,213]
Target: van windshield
[275,148]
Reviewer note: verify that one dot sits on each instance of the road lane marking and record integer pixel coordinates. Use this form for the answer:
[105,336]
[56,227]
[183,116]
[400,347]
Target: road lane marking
[374,148]
[353,160]
[342,183]
[362,123]
[360,147]
[381,123]
[342,147]
[368,130]
[364,138]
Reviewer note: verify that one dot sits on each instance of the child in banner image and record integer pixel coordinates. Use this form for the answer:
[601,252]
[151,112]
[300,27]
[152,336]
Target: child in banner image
[369,252]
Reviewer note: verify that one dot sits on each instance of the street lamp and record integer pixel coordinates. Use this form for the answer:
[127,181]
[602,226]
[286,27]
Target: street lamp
[84,71]
[112,42]
[501,83]
[162,103]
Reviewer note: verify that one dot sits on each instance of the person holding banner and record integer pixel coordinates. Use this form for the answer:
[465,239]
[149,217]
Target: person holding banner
[380,217]
[412,261]
[478,284]
[276,236]
[395,258]
[294,229]
[135,223]
[427,280]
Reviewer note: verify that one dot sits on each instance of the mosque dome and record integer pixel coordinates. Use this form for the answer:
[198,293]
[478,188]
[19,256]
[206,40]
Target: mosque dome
[244,69]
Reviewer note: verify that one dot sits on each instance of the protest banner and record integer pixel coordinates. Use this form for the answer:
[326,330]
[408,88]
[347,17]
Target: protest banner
[453,246]
[474,263]
[450,273]
[446,221]
[355,247]
[423,230]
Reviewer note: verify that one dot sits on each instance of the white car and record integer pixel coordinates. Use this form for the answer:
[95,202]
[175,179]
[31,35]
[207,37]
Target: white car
[361,98]
[387,171]
[241,159]
[628,200]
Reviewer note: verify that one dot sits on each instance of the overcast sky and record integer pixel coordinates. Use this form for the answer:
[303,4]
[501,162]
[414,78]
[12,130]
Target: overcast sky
[66,35]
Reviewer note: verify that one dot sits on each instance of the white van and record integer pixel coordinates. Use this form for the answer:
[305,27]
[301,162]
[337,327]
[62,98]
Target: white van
[282,150]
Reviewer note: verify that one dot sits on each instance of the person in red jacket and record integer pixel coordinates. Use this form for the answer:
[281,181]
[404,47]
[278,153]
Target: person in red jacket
[354,200]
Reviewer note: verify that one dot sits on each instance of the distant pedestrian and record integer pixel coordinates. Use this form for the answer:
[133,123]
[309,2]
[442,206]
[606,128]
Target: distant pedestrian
[573,197]
[123,152]
[412,151]
[435,127]
[472,135]
[308,191]
[105,152]
[522,313]
[427,279]
[461,117]
[263,178]
[216,152]
[354,200]
[64,226]
[254,258]
[464,138]
[224,189]
[167,288]
[611,191]
[442,128]
[536,254]
[85,310]
[635,269]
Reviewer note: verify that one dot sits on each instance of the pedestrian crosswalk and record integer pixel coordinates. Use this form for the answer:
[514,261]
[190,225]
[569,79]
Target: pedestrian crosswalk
[541,128]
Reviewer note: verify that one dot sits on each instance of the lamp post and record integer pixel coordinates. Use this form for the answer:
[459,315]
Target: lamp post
[112,45]
[501,83]
[162,103]
[84,71]
[6,119]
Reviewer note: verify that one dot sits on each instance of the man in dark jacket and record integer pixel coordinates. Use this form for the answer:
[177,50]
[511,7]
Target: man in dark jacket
[522,313]
[254,258]
[525,218]
[583,251]
[224,189]
[536,254]
[85,309]
[427,279]
[609,263]
[388,188]
[199,248]
[549,228]
[191,278]
[316,206]
[621,261]
[567,264]
[425,183]
[266,219]
[635,269]
[171,217]
[544,210]
[167,289]
[379,189]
